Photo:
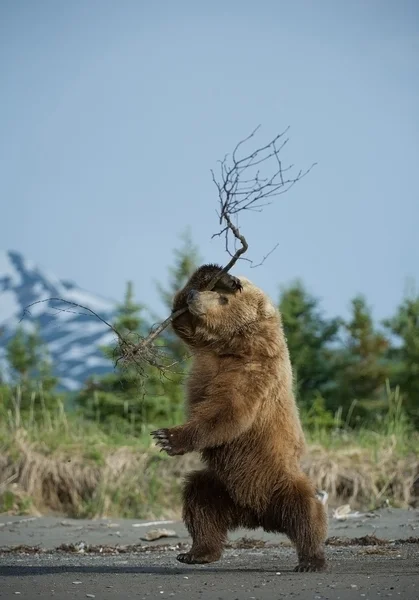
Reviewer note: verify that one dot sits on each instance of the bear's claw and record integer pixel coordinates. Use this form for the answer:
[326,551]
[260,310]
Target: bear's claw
[235,283]
[190,558]
[162,438]
[230,283]
[170,441]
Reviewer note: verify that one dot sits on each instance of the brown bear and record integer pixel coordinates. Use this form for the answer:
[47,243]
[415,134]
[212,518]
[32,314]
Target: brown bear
[243,419]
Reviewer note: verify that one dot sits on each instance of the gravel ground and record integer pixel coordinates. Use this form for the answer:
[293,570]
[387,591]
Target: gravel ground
[370,557]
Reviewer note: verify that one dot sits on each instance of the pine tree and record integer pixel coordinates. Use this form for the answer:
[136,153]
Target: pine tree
[22,354]
[363,368]
[405,356]
[128,321]
[310,337]
[116,395]
[186,261]
[31,369]
[128,398]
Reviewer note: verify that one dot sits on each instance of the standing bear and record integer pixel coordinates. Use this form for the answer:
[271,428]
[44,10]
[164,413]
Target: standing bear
[243,419]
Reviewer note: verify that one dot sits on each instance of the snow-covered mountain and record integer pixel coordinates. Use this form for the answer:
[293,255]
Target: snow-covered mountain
[72,339]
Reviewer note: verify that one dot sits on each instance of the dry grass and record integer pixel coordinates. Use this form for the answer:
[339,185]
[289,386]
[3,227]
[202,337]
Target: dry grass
[61,463]
[360,477]
[125,482]
[130,481]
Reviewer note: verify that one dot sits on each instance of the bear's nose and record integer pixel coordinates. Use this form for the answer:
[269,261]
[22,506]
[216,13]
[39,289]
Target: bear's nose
[192,295]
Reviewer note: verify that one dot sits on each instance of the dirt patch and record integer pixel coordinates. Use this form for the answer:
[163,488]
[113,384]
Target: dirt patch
[369,541]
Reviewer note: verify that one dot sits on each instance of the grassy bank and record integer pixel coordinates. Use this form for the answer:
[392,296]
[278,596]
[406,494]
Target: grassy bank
[60,463]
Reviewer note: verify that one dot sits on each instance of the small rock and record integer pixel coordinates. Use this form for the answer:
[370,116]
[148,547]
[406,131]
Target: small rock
[90,596]
[156,534]
[76,582]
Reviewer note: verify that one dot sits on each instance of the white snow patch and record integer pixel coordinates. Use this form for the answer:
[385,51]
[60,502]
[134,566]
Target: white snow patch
[86,328]
[36,310]
[70,384]
[76,352]
[7,269]
[77,370]
[27,325]
[97,361]
[64,340]
[92,361]
[89,300]
[28,264]
[106,339]
[9,305]
[38,288]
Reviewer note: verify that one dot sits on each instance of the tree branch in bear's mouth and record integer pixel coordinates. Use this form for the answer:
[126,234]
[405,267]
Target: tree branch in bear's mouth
[241,187]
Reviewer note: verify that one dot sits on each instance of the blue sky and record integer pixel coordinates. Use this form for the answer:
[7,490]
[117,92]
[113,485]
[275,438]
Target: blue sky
[113,113]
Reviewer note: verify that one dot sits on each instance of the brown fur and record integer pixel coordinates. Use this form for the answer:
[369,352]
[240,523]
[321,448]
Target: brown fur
[243,419]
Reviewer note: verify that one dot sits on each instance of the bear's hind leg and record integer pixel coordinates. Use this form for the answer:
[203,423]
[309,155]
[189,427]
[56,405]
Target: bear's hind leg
[295,511]
[208,513]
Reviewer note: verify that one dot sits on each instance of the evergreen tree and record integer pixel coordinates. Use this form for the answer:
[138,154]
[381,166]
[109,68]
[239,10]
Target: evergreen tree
[22,354]
[405,356]
[129,397]
[363,368]
[129,322]
[45,372]
[116,395]
[31,369]
[186,261]
[310,337]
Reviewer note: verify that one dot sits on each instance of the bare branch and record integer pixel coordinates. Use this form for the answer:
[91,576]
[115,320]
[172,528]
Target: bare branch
[241,187]
[26,311]
[265,257]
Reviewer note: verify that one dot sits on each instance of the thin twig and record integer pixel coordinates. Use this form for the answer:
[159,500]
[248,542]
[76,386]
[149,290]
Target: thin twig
[239,189]
[75,304]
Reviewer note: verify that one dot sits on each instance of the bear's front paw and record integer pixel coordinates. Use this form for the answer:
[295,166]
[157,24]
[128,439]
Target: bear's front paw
[229,282]
[169,441]
[235,283]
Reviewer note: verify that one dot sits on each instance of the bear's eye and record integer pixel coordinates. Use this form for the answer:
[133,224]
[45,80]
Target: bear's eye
[223,300]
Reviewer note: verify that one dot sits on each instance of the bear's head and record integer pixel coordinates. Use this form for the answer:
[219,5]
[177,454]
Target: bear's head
[230,321]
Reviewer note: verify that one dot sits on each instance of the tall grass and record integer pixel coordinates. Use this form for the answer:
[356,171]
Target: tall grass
[55,460]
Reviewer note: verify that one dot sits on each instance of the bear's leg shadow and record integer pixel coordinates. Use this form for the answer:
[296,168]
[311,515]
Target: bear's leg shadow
[295,511]
[209,513]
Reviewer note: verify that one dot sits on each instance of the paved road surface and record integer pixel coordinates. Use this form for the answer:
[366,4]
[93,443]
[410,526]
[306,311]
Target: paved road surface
[95,564]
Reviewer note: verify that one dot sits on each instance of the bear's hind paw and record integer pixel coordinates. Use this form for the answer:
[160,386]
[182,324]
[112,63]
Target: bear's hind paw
[311,566]
[191,558]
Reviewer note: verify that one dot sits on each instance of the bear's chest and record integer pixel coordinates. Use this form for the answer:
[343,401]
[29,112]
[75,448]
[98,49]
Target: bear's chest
[203,374]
